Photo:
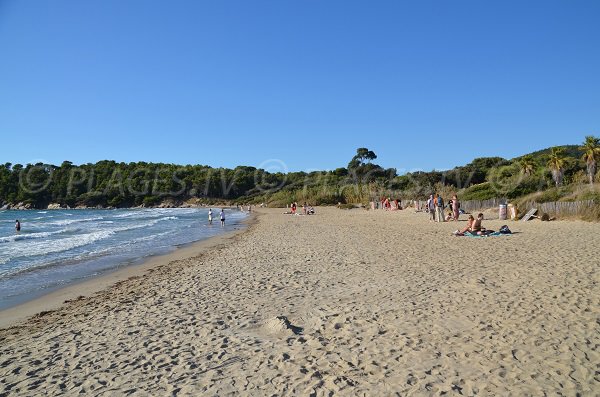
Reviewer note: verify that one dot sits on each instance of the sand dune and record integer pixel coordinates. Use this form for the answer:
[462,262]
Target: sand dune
[341,303]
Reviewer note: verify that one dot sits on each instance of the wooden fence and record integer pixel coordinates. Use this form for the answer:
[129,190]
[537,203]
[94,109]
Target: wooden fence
[555,208]
[468,206]
[561,208]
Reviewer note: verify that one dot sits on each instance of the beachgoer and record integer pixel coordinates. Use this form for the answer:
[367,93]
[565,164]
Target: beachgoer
[17,226]
[304,208]
[439,209]
[455,207]
[222,217]
[477,228]
[467,228]
[210,216]
[431,208]
[449,217]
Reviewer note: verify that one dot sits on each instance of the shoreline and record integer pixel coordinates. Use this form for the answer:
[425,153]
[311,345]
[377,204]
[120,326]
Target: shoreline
[55,299]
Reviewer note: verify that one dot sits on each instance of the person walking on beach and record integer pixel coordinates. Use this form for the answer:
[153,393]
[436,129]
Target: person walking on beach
[431,208]
[440,209]
[210,216]
[222,217]
[17,226]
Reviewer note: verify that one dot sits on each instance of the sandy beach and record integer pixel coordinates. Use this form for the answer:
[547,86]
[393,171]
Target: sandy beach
[346,302]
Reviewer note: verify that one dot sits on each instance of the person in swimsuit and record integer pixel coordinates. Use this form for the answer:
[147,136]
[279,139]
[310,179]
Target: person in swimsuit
[477,228]
[210,216]
[466,229]
[222,217]
[455,207]
[17,226]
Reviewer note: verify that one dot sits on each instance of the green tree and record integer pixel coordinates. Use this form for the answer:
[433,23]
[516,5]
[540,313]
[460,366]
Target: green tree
[527,165]
[362,154]
[556,163]
[591,155]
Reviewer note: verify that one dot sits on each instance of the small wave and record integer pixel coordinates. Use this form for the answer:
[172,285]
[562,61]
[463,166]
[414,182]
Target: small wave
[126,215]
[70,221]
[42,212]
[33,265]
[28,236]
[37,218]
[43,248]
[148,238]
[142,225]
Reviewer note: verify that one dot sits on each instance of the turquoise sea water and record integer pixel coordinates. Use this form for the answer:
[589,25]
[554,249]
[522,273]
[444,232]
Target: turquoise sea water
[58,247]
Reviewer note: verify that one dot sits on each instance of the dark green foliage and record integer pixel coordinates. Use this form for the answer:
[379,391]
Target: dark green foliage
[108,183]
[482,191]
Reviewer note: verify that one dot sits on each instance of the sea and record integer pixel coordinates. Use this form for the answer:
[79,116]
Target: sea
[58,247]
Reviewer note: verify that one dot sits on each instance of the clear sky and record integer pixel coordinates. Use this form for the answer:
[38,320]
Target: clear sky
[425,84]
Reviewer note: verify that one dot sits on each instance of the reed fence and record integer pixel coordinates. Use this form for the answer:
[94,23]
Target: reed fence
[555,208]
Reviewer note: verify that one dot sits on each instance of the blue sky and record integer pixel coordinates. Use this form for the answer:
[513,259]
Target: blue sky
[425,84]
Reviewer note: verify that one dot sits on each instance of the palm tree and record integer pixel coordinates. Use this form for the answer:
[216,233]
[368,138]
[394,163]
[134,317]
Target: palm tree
[527,164]
[591,155]
[556,163]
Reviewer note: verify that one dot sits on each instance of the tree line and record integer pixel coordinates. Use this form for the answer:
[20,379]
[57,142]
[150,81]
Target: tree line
[112,184]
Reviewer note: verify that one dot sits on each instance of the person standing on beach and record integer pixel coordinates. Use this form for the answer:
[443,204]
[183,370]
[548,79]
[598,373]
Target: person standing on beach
[431,207]
[222,217]
[210,216]
[440,209]
[17,226]
[455,207]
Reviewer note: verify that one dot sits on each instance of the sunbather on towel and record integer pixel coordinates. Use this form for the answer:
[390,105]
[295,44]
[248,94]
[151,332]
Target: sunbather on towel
[477,228]
[466,229]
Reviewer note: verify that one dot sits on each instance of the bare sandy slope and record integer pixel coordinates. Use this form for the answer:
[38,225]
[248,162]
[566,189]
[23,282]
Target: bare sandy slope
[343,303]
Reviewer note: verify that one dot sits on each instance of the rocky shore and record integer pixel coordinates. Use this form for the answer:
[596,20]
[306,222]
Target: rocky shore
[167,203]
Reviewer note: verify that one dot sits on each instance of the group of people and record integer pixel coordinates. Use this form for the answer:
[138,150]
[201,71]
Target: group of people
[435,207]
[306,209]
[221,215]
[388,204]
[474,226]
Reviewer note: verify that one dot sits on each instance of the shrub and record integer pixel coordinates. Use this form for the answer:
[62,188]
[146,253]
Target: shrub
[151,201]
[590,196]
[482,191]
[554,194]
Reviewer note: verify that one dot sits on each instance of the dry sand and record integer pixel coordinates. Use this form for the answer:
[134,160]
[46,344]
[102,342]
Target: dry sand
[340,303]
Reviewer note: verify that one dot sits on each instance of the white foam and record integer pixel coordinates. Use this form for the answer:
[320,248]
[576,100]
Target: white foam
[28,236]
[71,221]
[19,250]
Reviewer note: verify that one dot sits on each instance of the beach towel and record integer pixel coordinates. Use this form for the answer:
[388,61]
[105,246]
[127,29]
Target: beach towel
[494,234]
